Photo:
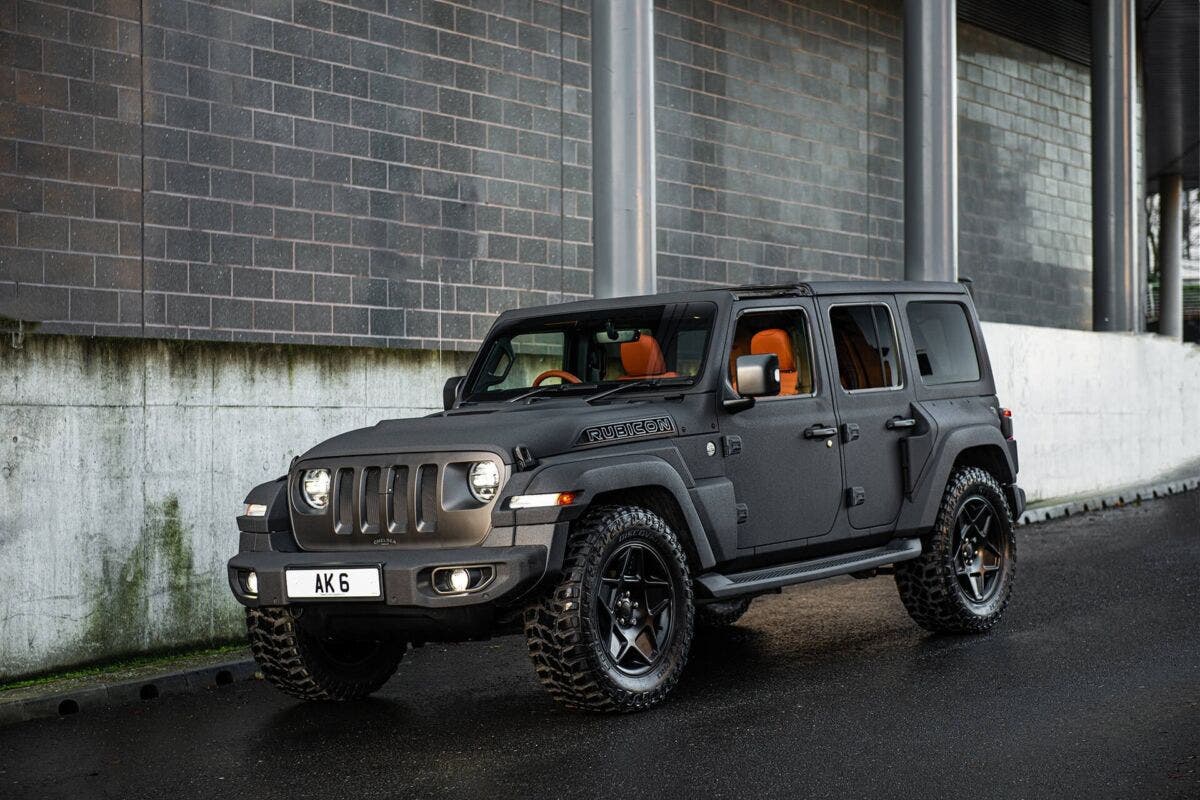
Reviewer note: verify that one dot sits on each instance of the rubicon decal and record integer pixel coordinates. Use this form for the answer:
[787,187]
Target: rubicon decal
[634,429]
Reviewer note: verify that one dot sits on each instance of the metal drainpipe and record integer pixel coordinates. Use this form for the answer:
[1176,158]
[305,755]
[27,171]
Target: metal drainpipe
[1114,228]
[930,140]
[623,262]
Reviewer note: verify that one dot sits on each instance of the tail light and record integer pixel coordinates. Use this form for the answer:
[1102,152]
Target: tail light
[1006,425]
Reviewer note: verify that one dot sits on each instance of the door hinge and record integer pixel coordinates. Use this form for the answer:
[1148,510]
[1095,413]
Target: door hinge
[732,445]
[855,496]
[849,431]
[743,513]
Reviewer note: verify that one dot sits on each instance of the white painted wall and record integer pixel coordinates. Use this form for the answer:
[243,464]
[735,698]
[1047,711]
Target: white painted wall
[96,436]
[1096,411]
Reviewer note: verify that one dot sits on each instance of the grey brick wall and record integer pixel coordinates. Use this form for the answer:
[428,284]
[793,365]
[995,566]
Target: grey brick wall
[1025,185]
[778,141]
[396,172]
[70,164]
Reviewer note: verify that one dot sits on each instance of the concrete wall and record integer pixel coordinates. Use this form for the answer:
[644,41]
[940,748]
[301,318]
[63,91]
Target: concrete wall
[1095,411]
[123,462]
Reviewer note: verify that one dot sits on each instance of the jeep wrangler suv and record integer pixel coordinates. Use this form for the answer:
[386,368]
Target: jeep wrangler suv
[611,474]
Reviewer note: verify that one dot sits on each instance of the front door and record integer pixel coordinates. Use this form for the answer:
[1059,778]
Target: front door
[873,405]
[786,473]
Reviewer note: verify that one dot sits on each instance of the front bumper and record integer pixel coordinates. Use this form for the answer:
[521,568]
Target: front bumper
[406,574]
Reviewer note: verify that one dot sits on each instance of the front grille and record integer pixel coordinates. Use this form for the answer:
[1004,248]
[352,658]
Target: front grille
[411,499]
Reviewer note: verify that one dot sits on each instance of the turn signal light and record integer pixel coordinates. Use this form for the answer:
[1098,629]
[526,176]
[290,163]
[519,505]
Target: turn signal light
[542,500]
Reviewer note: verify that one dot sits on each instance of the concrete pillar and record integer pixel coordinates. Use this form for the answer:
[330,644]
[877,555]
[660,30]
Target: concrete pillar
[1170,255]
[930,140]
[623,147]
[1115,302]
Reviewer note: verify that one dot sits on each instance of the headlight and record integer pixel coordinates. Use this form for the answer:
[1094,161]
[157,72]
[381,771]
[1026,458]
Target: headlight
[314,485]
[484,480]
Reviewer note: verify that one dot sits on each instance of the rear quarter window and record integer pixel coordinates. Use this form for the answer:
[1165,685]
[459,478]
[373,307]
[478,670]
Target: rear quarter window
[943,342]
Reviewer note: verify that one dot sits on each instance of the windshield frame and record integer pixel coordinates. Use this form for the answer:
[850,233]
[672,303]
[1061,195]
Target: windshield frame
[585,390]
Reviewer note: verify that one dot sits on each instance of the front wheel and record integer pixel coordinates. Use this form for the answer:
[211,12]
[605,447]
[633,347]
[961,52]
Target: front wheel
[963,579]
[314,665]
[614,634]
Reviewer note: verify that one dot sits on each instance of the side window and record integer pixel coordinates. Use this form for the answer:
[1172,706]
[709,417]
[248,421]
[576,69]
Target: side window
[943,342]
[864,341]
[784,333]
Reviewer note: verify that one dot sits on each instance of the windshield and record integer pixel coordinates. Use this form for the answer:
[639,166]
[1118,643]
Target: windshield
[652,344]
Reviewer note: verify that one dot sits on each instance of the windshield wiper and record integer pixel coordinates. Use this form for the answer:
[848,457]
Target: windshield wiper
[538,390]
[644,383]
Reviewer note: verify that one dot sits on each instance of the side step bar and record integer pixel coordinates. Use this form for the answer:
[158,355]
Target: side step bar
[757,580]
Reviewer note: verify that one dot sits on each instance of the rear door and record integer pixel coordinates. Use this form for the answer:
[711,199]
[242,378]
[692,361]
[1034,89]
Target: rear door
[782,453]
[872,401]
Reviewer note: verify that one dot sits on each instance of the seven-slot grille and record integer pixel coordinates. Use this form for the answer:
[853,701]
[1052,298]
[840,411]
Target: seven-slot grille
[422,500]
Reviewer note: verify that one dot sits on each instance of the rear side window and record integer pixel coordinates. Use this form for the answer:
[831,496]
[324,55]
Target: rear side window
[864,341]
[943,342]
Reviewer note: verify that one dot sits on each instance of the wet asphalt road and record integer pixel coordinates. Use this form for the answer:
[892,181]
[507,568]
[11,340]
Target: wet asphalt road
[1090,687]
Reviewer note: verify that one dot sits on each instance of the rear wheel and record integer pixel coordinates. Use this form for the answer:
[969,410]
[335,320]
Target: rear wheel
[963,579]
[314,665]
[614,634]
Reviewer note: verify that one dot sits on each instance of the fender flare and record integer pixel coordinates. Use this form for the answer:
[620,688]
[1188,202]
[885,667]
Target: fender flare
[921,512]
[594,476]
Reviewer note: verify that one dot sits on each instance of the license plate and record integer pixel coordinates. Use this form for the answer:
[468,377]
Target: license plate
[312,584]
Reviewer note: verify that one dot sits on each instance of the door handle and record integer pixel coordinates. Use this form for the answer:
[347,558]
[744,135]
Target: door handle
[819,432]
[896,423]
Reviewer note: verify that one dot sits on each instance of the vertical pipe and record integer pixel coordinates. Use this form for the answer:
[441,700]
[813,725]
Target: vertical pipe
[930,140]
[1170,255]
[1114,230]
[623,262]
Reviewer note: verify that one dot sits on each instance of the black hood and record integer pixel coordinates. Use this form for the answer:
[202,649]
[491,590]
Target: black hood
[546,428]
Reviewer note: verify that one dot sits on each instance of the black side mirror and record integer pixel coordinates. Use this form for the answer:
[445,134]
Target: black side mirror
[758,376]
[450,391]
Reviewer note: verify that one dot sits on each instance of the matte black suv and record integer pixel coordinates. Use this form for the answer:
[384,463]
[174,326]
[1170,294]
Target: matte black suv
[612,473]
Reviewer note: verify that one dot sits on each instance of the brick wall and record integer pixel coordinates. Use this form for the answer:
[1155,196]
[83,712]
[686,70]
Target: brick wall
[70,164]
[1025,181]
[395,172]
[778,141]
[369,173]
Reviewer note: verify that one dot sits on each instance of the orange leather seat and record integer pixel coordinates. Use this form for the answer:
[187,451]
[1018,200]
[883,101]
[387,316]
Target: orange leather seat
[642,358]
[777,341]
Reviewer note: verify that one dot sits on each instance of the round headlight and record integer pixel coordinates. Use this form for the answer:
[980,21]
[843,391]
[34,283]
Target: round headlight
[484,480]
[314,485]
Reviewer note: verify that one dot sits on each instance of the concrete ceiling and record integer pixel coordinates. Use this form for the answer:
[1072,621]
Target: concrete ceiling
[1171,69]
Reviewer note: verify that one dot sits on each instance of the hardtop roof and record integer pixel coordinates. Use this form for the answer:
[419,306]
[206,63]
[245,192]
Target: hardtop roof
[730,293]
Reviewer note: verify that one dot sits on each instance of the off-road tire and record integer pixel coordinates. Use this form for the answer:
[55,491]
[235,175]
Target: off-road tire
[722,613]
[298,662]
[561,626]
[928,585]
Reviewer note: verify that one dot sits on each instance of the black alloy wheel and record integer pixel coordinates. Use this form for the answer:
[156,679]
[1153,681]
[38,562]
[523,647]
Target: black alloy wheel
[635,606]
[979,549]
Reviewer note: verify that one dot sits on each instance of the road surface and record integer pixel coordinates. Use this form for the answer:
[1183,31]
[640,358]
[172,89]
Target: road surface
[1090,687]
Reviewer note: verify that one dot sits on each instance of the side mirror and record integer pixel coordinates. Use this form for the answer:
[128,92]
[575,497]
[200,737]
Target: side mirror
[758,376]
[450,391]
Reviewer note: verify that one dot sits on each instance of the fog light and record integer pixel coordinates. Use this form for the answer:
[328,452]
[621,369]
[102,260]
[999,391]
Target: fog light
[256,510]
[462,580]
[252,583]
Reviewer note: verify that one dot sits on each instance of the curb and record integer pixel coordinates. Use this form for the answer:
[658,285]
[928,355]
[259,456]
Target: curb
[1114,499]
[66,702]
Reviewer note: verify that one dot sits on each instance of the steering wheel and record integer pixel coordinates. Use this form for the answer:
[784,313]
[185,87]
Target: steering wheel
[556,373]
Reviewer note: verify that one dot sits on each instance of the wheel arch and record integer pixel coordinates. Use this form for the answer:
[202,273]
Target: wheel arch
[646,480]
[980,446]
